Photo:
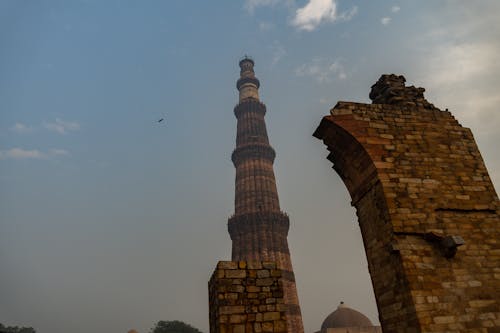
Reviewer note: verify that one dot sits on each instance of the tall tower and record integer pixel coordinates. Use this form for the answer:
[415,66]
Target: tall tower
[258,227]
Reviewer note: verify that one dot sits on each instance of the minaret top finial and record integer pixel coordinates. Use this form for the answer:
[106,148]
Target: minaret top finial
[246,58]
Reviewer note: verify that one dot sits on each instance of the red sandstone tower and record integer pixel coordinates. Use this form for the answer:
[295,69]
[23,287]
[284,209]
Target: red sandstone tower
[258,227]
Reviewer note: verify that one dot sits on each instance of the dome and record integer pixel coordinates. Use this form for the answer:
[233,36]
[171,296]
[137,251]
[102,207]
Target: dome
[345,317]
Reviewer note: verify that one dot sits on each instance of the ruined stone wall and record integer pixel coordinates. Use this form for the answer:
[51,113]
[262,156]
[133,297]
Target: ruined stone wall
[247,297]
[427,209]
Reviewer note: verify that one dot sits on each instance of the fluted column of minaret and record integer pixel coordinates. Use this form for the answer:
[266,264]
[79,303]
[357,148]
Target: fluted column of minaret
[258,227]
[255,182]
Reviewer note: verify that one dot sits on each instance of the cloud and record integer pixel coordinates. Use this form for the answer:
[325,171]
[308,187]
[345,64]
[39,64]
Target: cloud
[250,5]
[265,26]
[58,152]
[315,12]
[322,70]
[324,101]
[35,154]
[462,62]
[21,128]
[308,17]
[20,154]
[346,16]
[461,76]
[385,20]
[277,51]
[62,127]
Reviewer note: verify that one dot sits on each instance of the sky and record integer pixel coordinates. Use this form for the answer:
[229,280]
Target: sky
[110,220]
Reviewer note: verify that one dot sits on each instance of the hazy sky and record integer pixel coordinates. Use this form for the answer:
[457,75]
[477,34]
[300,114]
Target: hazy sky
[111,221]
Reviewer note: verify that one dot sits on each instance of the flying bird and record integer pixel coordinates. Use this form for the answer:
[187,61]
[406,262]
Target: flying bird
[161,119]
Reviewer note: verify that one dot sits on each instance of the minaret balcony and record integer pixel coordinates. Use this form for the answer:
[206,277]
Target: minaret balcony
[251,222]
[249,105]
[252,151]
[247,80]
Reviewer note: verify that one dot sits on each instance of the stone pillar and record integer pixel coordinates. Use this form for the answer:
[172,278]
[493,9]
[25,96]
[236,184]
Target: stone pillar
[247,297]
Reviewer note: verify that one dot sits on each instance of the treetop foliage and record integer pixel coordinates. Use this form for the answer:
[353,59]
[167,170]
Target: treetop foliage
[173,326]
[15,329]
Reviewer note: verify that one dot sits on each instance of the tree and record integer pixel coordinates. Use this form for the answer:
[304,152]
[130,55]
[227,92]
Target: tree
[173,326]
[15,329]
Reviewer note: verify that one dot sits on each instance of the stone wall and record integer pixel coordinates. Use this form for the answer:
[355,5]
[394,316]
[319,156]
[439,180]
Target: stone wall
[428,212]
[247,297]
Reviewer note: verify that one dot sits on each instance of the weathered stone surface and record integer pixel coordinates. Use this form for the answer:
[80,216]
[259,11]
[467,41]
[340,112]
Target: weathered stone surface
[256,306]
[391,89]
[428,212]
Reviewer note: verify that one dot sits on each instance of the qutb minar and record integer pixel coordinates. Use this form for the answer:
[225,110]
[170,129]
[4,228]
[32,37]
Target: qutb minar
[259,228]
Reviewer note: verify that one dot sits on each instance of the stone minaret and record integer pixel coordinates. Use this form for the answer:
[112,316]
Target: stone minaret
[258,227]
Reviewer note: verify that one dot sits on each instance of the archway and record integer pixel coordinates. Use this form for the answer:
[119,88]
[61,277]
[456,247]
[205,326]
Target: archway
[427,209]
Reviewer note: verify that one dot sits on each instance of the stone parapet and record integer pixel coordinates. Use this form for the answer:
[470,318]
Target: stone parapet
[251,222]
[252,151]
[249,105]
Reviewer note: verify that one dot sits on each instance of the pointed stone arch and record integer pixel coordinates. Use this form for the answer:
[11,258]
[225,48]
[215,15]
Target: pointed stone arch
[427,210]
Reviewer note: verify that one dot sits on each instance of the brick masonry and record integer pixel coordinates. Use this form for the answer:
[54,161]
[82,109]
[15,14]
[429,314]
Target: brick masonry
[247,297]
[427,210]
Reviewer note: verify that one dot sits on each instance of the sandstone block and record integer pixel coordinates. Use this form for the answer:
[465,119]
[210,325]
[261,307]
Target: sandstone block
[236,273]
[263,273]
[270,316]
[269,264]
[264,282]
[227,265]
[267,326]
[444,319]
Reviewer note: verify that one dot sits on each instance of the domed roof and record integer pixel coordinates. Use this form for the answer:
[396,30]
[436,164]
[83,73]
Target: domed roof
[345,317]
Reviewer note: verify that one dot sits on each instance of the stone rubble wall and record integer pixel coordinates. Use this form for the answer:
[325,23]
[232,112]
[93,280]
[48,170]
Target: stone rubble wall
[247,297]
